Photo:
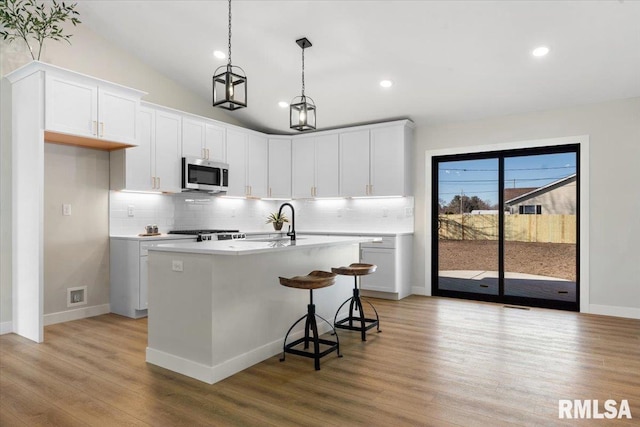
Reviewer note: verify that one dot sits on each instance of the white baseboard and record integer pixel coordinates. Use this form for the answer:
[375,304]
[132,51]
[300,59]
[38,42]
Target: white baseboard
[6,328]
[213,374]
[420,290]
[612,310]
[75,314]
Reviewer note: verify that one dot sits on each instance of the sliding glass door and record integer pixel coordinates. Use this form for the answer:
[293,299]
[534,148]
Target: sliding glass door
[505,226]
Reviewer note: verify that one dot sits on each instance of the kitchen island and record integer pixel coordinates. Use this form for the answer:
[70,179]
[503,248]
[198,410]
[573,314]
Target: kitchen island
[217,307]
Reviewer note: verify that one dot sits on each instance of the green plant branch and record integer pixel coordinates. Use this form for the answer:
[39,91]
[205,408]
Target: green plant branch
[26,19]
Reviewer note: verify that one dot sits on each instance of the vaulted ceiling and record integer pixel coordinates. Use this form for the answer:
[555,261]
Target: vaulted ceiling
[449,60]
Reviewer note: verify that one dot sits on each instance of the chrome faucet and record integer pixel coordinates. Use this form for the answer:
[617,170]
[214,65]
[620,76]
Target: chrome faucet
[292,228]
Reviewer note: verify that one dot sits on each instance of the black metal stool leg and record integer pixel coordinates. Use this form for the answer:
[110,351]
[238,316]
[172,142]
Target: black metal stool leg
[363,330]
[311,334]
[333,333]
[284,346]
[355,306]
[377,317]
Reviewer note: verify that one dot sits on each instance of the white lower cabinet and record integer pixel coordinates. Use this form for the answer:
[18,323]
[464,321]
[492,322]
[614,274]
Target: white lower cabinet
[392,256]
[129,275]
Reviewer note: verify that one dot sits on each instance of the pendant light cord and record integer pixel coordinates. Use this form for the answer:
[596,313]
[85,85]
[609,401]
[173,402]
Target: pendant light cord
[303,72]
[229,59]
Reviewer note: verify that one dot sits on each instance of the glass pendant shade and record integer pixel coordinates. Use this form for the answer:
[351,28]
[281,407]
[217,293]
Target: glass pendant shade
[229,88]
[302,113]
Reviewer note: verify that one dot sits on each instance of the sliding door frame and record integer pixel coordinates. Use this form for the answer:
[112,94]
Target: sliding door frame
[511,149]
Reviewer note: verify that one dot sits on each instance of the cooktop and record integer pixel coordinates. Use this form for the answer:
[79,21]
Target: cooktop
[205,231]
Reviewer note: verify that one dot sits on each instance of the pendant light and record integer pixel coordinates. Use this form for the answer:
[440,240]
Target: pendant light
[229,82]
[302,114]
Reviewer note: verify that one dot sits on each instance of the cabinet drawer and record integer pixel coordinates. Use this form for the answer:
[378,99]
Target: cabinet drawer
[386,242]
[144,246]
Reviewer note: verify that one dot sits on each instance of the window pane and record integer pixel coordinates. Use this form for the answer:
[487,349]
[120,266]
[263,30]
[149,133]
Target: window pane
[468,226]
[540,234]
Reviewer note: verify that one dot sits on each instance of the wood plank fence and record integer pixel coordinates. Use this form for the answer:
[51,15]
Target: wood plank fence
[518,228]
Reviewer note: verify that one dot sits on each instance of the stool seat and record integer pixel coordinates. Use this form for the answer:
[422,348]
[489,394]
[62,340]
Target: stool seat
[314,280]
[355,269]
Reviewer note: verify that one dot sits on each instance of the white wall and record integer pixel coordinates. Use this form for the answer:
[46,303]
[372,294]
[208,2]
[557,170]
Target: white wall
[76,247]
[614,139]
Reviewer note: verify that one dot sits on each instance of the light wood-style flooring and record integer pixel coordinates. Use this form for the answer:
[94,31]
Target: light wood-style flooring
[437,362]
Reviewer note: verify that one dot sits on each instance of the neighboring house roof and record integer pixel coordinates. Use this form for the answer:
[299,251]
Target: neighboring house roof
[512,193]
[540,190]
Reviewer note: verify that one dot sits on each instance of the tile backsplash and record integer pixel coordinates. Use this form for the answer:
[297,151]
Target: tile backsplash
[131,212]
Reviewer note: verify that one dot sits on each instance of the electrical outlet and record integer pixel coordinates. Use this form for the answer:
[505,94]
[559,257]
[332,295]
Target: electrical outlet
[130,210]
[385,212]
[176,265]
[66,209]
[408,212]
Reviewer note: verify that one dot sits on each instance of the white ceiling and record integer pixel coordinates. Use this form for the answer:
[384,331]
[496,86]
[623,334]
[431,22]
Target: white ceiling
[449,60]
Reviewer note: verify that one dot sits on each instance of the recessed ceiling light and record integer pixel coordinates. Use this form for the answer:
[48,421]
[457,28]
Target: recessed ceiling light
[283,104]
[386,83]
[540,51]
[219,54]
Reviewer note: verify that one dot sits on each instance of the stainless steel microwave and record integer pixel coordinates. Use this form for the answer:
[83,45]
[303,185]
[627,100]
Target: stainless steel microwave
[204,175]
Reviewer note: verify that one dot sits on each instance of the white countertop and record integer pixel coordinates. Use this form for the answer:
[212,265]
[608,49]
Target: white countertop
[248,247]
[359,233]
[163,236]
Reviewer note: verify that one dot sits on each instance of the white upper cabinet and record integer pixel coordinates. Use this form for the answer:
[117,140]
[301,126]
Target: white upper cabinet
[354,163]
[315,166]
[154,165]
[203,140]
[389,161]
[193,138]
[327,166]
[81,107]
[303,165]
[237,159]
[376,161]
[257,165]
[166,162]
[247,155]
[279,168]
[215,142]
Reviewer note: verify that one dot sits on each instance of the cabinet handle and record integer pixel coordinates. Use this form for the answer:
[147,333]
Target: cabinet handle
[158,183]
[101,129]
[208,154]
[315,191]
[94,128]
[203,151]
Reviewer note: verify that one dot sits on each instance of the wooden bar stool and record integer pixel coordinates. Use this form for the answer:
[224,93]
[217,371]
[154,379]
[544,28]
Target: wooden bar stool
[314,280]
[355,302]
